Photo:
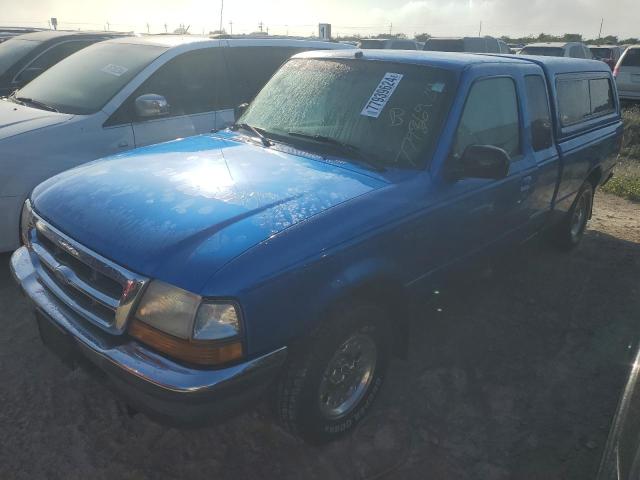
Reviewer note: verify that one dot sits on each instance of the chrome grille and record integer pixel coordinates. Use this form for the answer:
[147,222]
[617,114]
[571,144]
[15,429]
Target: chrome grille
[92,286]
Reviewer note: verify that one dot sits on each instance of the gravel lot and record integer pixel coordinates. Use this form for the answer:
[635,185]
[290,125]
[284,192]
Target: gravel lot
[516,374]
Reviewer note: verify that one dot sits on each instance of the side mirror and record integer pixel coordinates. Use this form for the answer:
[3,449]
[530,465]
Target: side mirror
[483,161]
[240,109]
[151,105]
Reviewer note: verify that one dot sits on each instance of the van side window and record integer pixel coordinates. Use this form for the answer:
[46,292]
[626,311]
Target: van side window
[490,117]
[194,82]
[540,116]
[252,67]
[580,99]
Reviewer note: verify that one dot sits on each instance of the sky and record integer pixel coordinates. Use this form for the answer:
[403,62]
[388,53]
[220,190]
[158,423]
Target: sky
[365,17]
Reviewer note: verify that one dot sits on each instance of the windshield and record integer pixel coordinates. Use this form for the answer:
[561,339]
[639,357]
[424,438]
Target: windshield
[444,45]
[13,50]
[85,81]
[390,112]
[601,52]
[632,58]
[371,44]
[544,51]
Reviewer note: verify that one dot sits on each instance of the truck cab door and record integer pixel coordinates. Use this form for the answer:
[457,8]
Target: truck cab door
[490,210]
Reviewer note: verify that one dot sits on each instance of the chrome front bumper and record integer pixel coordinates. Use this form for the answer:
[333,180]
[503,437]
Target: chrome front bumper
[151,382]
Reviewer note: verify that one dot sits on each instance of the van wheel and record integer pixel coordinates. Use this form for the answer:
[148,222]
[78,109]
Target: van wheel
[331,381]
[571,230]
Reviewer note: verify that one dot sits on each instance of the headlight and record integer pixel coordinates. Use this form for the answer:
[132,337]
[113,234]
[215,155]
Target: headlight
[26,222]
[183,325]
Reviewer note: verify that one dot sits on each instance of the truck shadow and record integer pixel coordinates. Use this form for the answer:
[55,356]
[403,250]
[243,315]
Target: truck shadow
[513,373]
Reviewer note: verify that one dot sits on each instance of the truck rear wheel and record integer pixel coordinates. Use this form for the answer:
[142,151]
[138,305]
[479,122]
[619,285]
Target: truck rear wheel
[571,230]
[331,381]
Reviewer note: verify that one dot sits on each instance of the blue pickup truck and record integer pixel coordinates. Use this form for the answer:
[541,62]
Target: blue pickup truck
[280,256]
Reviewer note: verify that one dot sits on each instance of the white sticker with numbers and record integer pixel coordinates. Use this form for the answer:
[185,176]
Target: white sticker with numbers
[381,95]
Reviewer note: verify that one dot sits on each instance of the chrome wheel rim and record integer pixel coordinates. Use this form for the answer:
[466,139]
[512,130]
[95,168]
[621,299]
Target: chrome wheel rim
[579,217]
[348,375]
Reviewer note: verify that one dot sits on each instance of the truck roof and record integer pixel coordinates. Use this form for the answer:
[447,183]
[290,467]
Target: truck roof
[458,61]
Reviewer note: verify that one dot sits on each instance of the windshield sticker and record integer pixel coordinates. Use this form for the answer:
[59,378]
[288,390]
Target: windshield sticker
[437,87]
[112,69]
[381,95]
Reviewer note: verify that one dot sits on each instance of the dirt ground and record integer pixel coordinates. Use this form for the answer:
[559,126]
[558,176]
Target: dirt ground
[514,375]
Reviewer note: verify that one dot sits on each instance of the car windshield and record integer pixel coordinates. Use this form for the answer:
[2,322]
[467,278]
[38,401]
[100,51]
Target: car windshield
[601,52]
[544,51]
[632,58]
[390,113]
[13,50]
[371,44]
[85,81]
[444,45]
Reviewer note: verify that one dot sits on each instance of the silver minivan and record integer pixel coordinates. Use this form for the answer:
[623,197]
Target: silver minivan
[627,74]
[125,93]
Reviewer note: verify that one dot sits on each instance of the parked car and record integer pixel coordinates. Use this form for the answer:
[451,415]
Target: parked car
[609,54]
[285,252]
[24,57]
[503,47]
[621,457]
[465,44]
[9,32]
[627,74]
[125,93]
[388,43]
[557,49]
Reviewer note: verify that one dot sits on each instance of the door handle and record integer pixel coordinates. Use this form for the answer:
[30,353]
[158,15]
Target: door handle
[525,185]
[123,144]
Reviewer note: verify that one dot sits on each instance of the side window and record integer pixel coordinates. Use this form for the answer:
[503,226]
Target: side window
[194,82]
[601,96]
[50,57]
[573,99]
[540,116]
[490,117]
[251,67]
[576,52]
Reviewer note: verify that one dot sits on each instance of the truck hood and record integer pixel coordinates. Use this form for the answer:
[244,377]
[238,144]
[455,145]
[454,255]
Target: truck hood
[16,119]
[179,211]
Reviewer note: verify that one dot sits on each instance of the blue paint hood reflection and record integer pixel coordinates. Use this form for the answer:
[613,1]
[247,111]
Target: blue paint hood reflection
[179,211]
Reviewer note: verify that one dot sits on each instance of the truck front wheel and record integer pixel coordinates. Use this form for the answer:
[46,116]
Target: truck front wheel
[332,380]
[571,230]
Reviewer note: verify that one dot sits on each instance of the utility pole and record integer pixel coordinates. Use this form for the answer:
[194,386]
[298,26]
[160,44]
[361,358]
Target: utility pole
[165,28]
[148,28]
[260,26]
[390,28]
[480,30]
[108,27]
[231,28]
[600,31]
[221,10]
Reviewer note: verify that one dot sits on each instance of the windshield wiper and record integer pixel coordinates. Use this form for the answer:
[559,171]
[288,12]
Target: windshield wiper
[30,101]
[256,131]
[351,150]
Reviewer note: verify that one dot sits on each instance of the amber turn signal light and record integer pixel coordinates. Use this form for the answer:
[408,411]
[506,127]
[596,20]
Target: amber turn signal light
[200,352]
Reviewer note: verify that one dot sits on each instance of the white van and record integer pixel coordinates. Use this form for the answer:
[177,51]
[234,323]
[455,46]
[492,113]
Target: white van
[124,93]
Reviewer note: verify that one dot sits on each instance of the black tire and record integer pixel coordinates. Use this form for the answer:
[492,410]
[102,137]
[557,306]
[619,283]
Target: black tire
[571,230]
[298,399]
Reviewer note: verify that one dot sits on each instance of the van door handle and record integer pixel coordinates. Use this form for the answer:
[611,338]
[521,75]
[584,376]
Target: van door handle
[123,144]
